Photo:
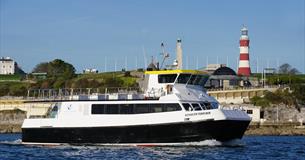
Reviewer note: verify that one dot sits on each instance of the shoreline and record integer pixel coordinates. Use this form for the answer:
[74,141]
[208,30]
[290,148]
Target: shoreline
[275,130]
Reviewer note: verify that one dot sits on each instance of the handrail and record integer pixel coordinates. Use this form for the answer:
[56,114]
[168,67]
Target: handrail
[67,93]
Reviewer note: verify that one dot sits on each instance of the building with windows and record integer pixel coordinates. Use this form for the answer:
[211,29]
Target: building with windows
[7,66]
[223,77]
[90,70]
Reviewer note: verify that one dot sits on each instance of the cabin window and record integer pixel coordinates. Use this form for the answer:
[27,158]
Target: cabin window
[156,108]
[192,80]
[187,106]
[126,108]
[196,107]
[167,78]
[202,106]
[172,107]
[214,105]
[141,108]
[183,78]
[134,108]
[198,80]
[203,80]
[112,109]
[54,112]
[166,107]
[98,109]
[208,105]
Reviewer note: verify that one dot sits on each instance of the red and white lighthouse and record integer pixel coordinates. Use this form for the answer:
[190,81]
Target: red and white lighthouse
[244,64]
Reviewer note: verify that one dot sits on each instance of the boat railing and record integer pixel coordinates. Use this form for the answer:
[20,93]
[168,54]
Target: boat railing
[83,93]
[155,92]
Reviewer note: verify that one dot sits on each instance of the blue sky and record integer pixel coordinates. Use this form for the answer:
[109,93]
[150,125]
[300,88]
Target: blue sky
[89,33]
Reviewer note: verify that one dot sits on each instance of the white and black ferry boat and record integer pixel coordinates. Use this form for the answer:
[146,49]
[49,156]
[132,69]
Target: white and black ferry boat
[174,109]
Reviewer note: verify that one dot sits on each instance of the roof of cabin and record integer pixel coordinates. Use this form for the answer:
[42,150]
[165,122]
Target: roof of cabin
[175,71]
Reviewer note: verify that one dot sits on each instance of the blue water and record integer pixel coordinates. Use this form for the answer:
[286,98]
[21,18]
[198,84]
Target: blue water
[250,147]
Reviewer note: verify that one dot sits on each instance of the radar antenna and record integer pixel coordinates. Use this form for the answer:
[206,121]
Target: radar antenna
[164,54]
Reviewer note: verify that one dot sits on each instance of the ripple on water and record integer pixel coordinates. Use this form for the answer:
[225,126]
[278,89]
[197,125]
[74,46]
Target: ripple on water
[252,147]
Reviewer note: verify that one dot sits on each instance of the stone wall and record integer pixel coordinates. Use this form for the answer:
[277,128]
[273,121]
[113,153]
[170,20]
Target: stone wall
[11,120]
[283,113]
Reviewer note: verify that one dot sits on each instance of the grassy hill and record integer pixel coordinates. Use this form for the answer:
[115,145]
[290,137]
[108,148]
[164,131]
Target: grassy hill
[12,85]
[11,88]
[107,79]
[11,77]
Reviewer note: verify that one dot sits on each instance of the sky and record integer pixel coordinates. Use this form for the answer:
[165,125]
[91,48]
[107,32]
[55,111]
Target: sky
[110,35]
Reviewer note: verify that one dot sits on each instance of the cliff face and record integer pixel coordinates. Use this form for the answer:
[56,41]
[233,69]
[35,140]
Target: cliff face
[11,120]
[283,113]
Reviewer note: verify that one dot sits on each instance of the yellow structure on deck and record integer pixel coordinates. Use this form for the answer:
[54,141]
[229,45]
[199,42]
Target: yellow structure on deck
[175,71]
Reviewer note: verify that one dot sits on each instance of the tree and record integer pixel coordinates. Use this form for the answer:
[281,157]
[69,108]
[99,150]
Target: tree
[56,68]
[287,69]
[59,68]
[41,67]
[4,89]
[298,92]
[58,72]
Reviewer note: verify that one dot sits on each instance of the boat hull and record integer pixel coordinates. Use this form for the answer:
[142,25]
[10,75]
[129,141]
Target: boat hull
[223,130]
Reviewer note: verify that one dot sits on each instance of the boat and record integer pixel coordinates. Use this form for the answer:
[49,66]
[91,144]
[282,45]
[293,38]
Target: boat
[174,108]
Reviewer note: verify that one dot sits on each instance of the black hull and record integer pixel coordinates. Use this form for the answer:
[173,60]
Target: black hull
[224,130]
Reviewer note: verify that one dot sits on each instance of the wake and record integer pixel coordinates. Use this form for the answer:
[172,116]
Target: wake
[205,143]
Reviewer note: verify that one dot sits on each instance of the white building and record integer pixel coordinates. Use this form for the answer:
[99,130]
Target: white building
[90,70]
[253,111]
[7,65]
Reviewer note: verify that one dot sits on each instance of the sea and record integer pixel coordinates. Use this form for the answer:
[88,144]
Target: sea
[250,147]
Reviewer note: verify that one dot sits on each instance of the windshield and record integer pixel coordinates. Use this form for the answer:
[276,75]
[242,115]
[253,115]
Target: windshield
[198,80]
[183,78]
[52,113]
[167,78]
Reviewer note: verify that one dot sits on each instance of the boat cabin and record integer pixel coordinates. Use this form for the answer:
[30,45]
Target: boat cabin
[161,83]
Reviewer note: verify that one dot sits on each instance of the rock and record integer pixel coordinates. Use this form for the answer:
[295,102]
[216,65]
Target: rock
[11,120]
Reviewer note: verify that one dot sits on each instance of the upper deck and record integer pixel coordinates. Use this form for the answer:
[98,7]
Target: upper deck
[162,82]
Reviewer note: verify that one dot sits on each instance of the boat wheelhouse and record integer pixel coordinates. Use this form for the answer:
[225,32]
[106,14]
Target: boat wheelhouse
[174,108]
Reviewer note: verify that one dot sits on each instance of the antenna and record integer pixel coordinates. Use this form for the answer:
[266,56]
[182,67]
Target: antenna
[257,65]
[105,65]
[144,56]
[126,63]
[164,54]
[187,62]
[207,62]
[197,63]
[115,65]
[136,62]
